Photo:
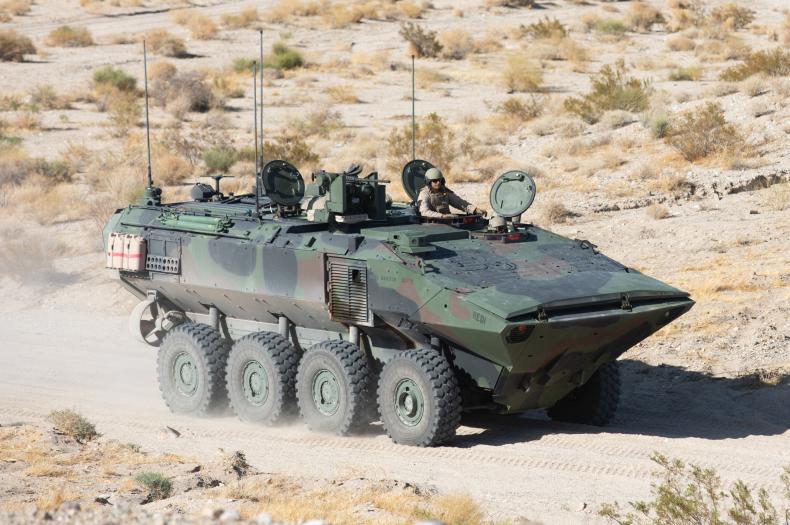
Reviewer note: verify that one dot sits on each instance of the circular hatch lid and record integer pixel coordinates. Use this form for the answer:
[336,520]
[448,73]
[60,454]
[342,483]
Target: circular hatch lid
[413,177]
[512,193]
[283,183]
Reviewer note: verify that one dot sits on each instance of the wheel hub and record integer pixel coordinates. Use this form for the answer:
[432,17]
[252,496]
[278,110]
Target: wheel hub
[326,392]
[255,383]
[185,374]
[409,403]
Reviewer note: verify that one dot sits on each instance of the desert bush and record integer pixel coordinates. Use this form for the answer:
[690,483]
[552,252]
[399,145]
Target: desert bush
[291,147]
[199,26]
[434,139]
[283,57]
[658,211]
[29,119]
[342,94]
[701,132]
[680,43]
[777,198]
[219,160]
[243,65]
[658,125]
[245,18]
[753,86]
[546,28]
[163,43]
[73,425]
[693,494]
[523,109]
[45,96]
[161,70]
[422,43]
[15,8]
[611,89]
[521,73]
[556,213]
[455,43]
[642,16]
[342,15]
[183,92]
[124,112]
[410,9]
[510,3]
[732,15]
[610,27]
[775,63]
[68,36]
[157,485]
[685,73]
[14,47]
[117,78]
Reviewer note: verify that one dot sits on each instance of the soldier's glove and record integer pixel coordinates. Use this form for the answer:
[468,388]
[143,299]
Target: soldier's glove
[480,211]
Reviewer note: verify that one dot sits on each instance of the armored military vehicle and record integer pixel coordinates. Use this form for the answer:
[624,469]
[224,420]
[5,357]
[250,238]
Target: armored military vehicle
[327,297]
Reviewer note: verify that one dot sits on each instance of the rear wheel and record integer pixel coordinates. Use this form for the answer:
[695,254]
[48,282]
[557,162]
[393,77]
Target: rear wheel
[261,376]
[419,398]
[190,369]
[333,387]
[593,403]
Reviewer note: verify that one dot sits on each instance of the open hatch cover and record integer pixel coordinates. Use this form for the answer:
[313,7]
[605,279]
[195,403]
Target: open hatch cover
[283,183]
[413,177]
[512,193]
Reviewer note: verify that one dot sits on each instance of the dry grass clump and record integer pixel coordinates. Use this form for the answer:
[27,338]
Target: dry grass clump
[245,18]
[611,27]
[199,26]
[549,28]
[658,211]
[422,43]
[510,3]
[435,142]
[68,36]
[694,494]
[611,89]
[156,483]
[522,109]
[291,147]
[701,132]
[14,47]
[777,197]
[46,97]
[182,92]
[124,111]
[522,74]
[680,43]
[163,43]
[72,424]
[343,14]
[692,73]
[455,43]
[732,16]
[10,8]
[342,94]
[641,17]
[773,63]
[283,57]
[556,213]
[115,91]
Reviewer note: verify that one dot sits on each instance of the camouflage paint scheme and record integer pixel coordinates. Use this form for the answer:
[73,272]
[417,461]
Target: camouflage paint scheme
[525,322]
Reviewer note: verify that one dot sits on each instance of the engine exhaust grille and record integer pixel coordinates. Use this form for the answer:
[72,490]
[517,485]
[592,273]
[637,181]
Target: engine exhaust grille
[348,291]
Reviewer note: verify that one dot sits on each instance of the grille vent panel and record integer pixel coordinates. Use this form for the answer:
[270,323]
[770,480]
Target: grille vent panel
[348,291]
[159,263]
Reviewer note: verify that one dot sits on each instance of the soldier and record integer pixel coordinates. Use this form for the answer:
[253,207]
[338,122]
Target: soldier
[435,198]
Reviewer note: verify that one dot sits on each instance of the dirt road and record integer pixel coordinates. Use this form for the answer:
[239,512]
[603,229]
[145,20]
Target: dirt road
[518,466]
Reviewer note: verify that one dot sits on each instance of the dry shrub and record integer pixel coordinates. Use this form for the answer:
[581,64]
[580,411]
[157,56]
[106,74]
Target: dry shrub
[510,3]
[245,18]
[342,94]
[124,111]
[546,28]
[116,78]
[611,27]
[732,16]
[680,43]
[685,73]
[556,213]
[291,147]
[14,47]
[27,120]
[435,143]
[342,15]
[521,74]
[455,43]
[611,89]
[53,498]
[72,424]
[283,57]
[319,122]
[658,211]
[422,43]
[285,9]
[731,48]
[68,36]
[378,60]
[685,14]
[777,197]
[701,132]
[183,92]
[45,96]
[522,109]
[426,77]
[161,70]
[163,43]
[754,86]
[773,63]
[15,8]
[641,16]
[410,9]
[199,26]
[157,485]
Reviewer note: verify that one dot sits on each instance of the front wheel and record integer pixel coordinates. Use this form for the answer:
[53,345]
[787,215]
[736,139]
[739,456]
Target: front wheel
[593,403]
[419,398]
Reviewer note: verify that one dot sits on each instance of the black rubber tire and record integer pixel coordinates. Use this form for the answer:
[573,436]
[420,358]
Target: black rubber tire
[435,378]
[352,369]
[279,360]
[209,351]
[593,403]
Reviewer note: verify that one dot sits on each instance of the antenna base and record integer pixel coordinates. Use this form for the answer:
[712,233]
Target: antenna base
[152,196]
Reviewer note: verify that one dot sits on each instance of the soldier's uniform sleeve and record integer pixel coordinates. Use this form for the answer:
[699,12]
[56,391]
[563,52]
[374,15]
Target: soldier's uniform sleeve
[423,200]
[458,202]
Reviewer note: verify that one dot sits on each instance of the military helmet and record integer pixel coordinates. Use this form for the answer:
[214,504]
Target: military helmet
[433,174]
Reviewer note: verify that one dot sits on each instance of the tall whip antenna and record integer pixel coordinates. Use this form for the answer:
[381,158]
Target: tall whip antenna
[258,159]
[413,120]
[261,33]
[147,125]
